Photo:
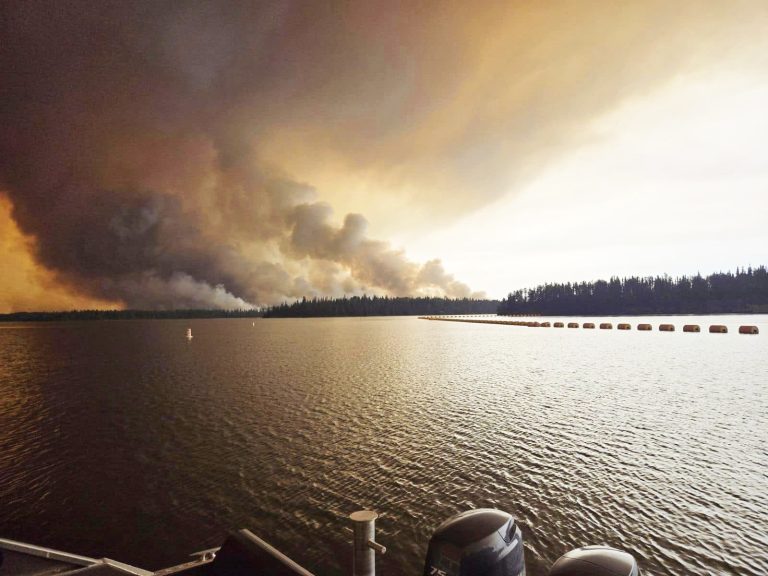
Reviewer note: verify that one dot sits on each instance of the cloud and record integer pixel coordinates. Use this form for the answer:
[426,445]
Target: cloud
[130,153]
[166,154]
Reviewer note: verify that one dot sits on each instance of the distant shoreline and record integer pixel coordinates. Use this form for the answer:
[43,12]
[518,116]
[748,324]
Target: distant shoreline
[742,292]
[126,315]
[93,315]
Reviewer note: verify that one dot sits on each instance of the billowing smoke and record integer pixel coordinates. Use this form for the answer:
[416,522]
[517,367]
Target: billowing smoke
[162,153]
[373,261]
[129,146]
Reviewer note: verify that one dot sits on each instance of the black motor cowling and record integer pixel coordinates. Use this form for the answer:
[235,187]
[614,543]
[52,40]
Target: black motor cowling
[595,561]
[481,542]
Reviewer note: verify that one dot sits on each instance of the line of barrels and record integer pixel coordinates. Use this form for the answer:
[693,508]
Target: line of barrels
[713,329]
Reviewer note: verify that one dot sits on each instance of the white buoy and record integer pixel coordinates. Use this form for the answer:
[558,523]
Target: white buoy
[189,333]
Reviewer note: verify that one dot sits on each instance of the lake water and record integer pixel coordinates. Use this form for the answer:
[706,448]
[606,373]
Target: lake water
[123,439]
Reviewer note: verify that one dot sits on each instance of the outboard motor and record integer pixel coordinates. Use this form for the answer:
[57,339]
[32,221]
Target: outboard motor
[481,542]
[595,561]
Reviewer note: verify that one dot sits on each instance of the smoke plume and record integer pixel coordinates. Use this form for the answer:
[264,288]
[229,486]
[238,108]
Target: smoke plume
[159,152]
[129,146]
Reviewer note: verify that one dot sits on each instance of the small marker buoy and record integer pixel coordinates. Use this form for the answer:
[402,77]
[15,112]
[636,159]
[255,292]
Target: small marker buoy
[748,330]
[189,333]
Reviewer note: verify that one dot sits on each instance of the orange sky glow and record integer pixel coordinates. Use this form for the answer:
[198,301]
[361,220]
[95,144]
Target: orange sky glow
[26,285]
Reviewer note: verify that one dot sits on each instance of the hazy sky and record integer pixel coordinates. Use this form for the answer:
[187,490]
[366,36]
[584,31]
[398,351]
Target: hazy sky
[675,182]
[228,154]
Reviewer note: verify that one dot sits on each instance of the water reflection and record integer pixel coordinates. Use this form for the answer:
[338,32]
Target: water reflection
[125,439]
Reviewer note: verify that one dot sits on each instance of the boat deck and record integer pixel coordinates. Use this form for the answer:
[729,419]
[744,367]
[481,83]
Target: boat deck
[21,559]
[18,563]
[242,554]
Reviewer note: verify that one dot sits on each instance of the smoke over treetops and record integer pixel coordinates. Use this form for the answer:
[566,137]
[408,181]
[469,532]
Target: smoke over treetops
[162,154]
[130,153]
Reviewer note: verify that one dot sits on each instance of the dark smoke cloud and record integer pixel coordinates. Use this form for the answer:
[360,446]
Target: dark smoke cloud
[129,138]
[159,151]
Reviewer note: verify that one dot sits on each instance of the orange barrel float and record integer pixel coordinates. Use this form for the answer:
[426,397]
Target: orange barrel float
[624,326]
[573,324]
[545,324]
[559,325]
[718,329]
[748,330]
[691,328]
[644,327]
[666,327]
[588,325]
[606,326]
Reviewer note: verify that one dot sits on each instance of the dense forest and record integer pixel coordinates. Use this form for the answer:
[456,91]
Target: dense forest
[354,306]
[745,291]
[741,292]
[381,306]
[125,315]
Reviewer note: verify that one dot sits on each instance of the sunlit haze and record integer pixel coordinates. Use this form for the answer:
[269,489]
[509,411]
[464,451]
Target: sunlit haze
[675,182]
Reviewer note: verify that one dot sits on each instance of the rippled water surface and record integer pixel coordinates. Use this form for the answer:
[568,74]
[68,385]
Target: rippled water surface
[123,439]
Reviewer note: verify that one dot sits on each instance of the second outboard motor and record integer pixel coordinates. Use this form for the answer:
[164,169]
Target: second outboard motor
[481,542]
[595,561]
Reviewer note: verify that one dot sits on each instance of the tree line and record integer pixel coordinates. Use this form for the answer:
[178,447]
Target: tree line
[745,291]
[346,306]
[381,306]
[126,315]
